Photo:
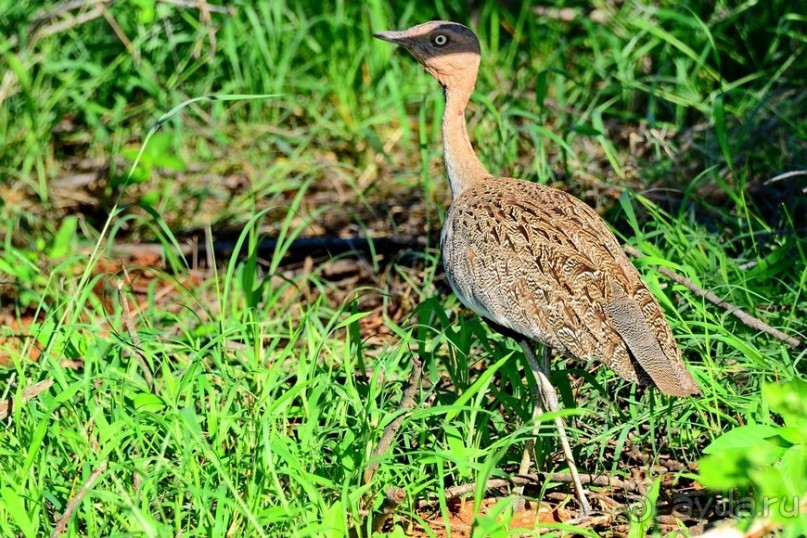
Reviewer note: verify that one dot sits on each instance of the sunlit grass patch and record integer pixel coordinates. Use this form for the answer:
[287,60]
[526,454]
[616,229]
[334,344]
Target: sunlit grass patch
[275,370]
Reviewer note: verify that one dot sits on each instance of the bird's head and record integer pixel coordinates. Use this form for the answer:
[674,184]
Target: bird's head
[447,50]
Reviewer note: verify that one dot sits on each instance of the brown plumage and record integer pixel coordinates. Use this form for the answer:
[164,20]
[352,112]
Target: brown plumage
[541,263]
[535,260]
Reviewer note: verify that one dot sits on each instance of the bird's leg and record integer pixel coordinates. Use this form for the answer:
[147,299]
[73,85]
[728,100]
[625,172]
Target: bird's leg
[537,411]
[549,401]
[529,446]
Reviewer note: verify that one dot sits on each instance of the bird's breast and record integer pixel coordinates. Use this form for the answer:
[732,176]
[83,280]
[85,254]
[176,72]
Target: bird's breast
[479,272]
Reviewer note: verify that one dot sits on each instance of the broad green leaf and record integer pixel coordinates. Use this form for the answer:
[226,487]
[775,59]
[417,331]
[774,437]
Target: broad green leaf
[334,520]
[724,471]
[788,400]
[795,435]
[171,162]
[146,401]
[61,244]
[794,470]
[749,436]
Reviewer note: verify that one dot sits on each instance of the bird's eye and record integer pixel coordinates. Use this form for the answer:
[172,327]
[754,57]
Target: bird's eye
[439,40]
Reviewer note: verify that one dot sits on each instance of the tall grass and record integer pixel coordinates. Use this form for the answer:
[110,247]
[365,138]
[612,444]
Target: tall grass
[273,379]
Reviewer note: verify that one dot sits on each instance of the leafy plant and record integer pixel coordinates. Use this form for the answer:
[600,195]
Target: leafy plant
[766,464]
[157,154]
[641,519]
[274,377]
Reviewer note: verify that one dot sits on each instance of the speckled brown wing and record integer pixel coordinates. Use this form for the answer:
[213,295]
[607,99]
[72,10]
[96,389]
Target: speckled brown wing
[538,261]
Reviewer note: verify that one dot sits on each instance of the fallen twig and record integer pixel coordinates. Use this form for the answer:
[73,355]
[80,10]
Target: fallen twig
[744,317]
[28,393]
[589,521]
[407,401]
[393,498]
[786,175]
[61,525]
[634,486]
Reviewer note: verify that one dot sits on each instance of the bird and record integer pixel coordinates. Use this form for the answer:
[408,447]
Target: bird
[537,263]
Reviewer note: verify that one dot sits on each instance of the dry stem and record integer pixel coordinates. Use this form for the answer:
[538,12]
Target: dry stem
[746,318]
[61,525]
[520,480]
[407,401]
[27,394]
[393,498]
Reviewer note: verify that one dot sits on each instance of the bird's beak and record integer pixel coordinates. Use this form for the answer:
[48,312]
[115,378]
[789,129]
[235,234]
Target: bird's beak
[399,38]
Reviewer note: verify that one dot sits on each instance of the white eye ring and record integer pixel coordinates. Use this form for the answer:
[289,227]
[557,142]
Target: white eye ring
[440,40]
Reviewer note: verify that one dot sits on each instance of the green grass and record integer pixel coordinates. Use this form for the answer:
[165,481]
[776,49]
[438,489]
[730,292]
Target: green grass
[274,378]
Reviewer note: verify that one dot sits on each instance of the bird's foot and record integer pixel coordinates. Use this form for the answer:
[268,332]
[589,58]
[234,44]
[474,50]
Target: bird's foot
[585,507]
